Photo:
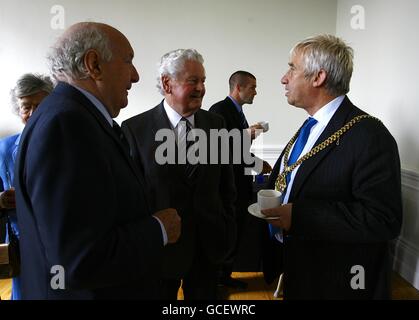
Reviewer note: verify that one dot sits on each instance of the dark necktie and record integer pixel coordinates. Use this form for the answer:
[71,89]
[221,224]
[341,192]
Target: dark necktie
[183,142]
[121,136]
[245,124]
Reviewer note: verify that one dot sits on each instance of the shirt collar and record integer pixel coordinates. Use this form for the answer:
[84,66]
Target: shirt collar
[175,117]
[324,114]
[236,104]
[96,102]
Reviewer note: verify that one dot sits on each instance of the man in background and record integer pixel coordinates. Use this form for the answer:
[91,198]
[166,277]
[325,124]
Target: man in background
[242,91]
[26,95]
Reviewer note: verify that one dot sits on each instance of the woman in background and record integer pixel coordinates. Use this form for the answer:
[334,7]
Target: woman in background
[28,93]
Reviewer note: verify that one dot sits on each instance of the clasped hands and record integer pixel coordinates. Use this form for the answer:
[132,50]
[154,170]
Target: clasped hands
[283,215]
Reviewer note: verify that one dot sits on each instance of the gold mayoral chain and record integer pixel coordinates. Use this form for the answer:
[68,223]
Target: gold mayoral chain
[281,181]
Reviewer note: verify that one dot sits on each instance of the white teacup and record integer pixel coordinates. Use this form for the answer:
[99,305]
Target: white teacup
[269,199]
[265,125]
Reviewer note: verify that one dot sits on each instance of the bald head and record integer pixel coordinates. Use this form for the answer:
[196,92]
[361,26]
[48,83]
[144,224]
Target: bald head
[66,59]
[97,58]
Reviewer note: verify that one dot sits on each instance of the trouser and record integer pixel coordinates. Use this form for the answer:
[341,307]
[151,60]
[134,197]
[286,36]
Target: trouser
[199,282]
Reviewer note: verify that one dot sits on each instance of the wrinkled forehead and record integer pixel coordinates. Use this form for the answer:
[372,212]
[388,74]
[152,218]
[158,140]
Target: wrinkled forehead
[34,98]
[191,68]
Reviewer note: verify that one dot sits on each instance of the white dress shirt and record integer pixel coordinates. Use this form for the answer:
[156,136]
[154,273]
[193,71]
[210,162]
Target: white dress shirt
[323,117]
[175,117]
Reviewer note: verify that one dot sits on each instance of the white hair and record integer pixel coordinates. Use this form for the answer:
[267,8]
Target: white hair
[172,63]
[329,53]
[27,85]
[66,60]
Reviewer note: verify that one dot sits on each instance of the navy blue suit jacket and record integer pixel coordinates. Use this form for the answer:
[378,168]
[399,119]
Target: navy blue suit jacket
[244,183]
[82,206]
[346,208]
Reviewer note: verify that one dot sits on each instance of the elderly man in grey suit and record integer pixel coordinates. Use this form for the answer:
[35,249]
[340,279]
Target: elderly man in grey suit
[203,193]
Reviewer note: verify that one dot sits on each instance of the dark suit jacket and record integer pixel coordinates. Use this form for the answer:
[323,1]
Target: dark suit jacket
[244,183]
[346,208]
[82,205]
[206,209]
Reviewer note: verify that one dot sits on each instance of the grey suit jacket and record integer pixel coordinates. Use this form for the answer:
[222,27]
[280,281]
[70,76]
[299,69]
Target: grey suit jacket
[206,208]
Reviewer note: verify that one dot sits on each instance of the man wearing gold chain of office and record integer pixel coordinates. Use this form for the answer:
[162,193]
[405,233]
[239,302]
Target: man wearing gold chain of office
[340,182]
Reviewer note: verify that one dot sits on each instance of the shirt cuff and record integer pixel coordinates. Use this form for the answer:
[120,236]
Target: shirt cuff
[163,231]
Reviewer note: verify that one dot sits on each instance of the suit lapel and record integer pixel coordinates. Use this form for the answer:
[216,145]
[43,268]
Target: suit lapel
[339,119]
[235,115]
[77,95]
[161,121]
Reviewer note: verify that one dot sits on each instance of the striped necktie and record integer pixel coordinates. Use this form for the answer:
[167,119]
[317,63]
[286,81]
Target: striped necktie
[184,148]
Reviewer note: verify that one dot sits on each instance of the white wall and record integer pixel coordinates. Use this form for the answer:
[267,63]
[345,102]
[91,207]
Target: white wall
[385,84]
[231,35]
[255,36]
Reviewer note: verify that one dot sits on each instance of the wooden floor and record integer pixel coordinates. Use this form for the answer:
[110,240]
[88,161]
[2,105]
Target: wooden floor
[259,290]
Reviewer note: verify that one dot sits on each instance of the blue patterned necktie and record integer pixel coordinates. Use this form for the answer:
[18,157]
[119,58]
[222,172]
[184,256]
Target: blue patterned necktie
[295,154]
[300,144]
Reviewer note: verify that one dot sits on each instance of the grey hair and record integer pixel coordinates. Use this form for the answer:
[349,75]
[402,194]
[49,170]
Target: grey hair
[331,54]
[66,59]
[172,63]
[27,85]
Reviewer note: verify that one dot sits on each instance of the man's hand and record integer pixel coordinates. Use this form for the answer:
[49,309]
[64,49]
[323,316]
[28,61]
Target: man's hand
[255,130]
[7,199]
[171,222]
[282,213]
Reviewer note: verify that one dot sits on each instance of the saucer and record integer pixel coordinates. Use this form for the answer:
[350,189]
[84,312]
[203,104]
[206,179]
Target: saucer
[255,211]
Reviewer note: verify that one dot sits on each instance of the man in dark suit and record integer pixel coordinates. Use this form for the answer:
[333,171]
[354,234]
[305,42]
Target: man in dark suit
[341,199]
[203,193]
[242,91]
[87,231]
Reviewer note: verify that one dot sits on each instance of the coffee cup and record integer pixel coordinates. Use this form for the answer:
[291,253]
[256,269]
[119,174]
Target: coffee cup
[269,199]
[264,125]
